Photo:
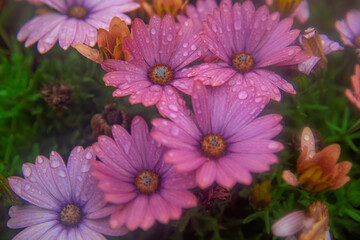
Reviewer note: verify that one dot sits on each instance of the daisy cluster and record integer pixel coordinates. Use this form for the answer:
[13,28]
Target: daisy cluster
[210,70]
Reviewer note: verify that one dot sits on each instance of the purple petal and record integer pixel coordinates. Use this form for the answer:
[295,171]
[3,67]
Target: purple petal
[87,234]
[67,33]
[29,215]
[56,4]
[353,21]
[289,224]
[48,40]
[36,231]
[102,226]
[53,233]
[33,193]
[60,175]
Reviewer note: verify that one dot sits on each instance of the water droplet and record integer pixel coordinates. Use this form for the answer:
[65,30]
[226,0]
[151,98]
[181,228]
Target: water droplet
[85,168]
[27,186]
[195,96]
[78,149]
[26,171]
[169,37]
[185,44]
[175,131]
[39,160]
[153,31]
[41,49]
[147,40]
[173,107]
[237,25]
[273,146]
[173,115]
[256,25]
[263,17]
[127,147]
[185,53]
[291,52]
[258,99]
[193,47]
[170,91]
[243,95]
[214,28]
[61,173]
[55,163]
[79,178]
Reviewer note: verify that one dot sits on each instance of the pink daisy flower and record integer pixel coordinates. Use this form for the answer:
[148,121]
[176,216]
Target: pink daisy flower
[355,80]
[133,175]
[159,54]
[248,41]
[222,141]
[72,22]
[349,29]
[64,202]
[327,46]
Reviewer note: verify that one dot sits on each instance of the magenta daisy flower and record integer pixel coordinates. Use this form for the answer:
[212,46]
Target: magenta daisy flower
[223,141]
[64,202]
[248,41]
[349,29]
[159,54]
[72,22]
[133,175]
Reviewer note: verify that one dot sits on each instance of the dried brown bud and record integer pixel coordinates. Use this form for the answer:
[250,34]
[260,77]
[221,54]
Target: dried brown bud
[57,95]
[208,196]
[102,123]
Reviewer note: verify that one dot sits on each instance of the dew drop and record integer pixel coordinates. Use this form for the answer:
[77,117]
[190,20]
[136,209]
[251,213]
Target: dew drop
[307,137]
[27,186]
[193,47]
[153,31]
[214,28]
[61,173]
[78,149]
[185,53]
[273,146]
[88,156]
[258,99]
[175,131]
[291,52]
[85,168]
[263,18]
[55,164]
[173,115]
[173,107]
[169,37]
[39,160]
[79,178]
[237,25]
[243,95]
[26,171]
[147,40]
[185,44]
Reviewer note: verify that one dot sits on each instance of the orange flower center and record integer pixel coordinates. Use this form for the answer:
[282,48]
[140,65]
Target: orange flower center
[213,145]
[161,74]
[357,41]
[70,215]
[77,11]
[243,62]
[147,181]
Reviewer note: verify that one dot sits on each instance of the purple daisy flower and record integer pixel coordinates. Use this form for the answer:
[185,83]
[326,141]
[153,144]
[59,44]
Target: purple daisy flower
[133,175]
[223,141]
[248,41]
[349,29]
[159,54]
[64,201]
[73,22]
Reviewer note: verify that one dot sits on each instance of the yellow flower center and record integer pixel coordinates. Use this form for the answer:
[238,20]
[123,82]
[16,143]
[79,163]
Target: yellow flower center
[243,62]
[161,74]
[70,215]
[147,181]
[213,145]
[77,11]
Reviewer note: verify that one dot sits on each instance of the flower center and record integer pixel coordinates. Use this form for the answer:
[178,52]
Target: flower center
[147,181]
[357,41]
[243,62]
[70,215]
[161,74]
[213,145]
[77,11]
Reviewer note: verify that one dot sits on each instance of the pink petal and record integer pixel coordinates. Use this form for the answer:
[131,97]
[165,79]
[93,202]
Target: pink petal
[223,178]
[152,95]
[200,102]
[175,212]
[177,180]
[289,224]
[235,170]
[290,178]
[206,174]
[167,38]
[140,134]
[111,65]
[48,40]
[253,162]
[256,146]
[142,38]
[353,21]
[159,208]
[120,198]
[181,156]
[118,218]
[179,197]
[148,220]
[137,212]
[102,226]
[302,12]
